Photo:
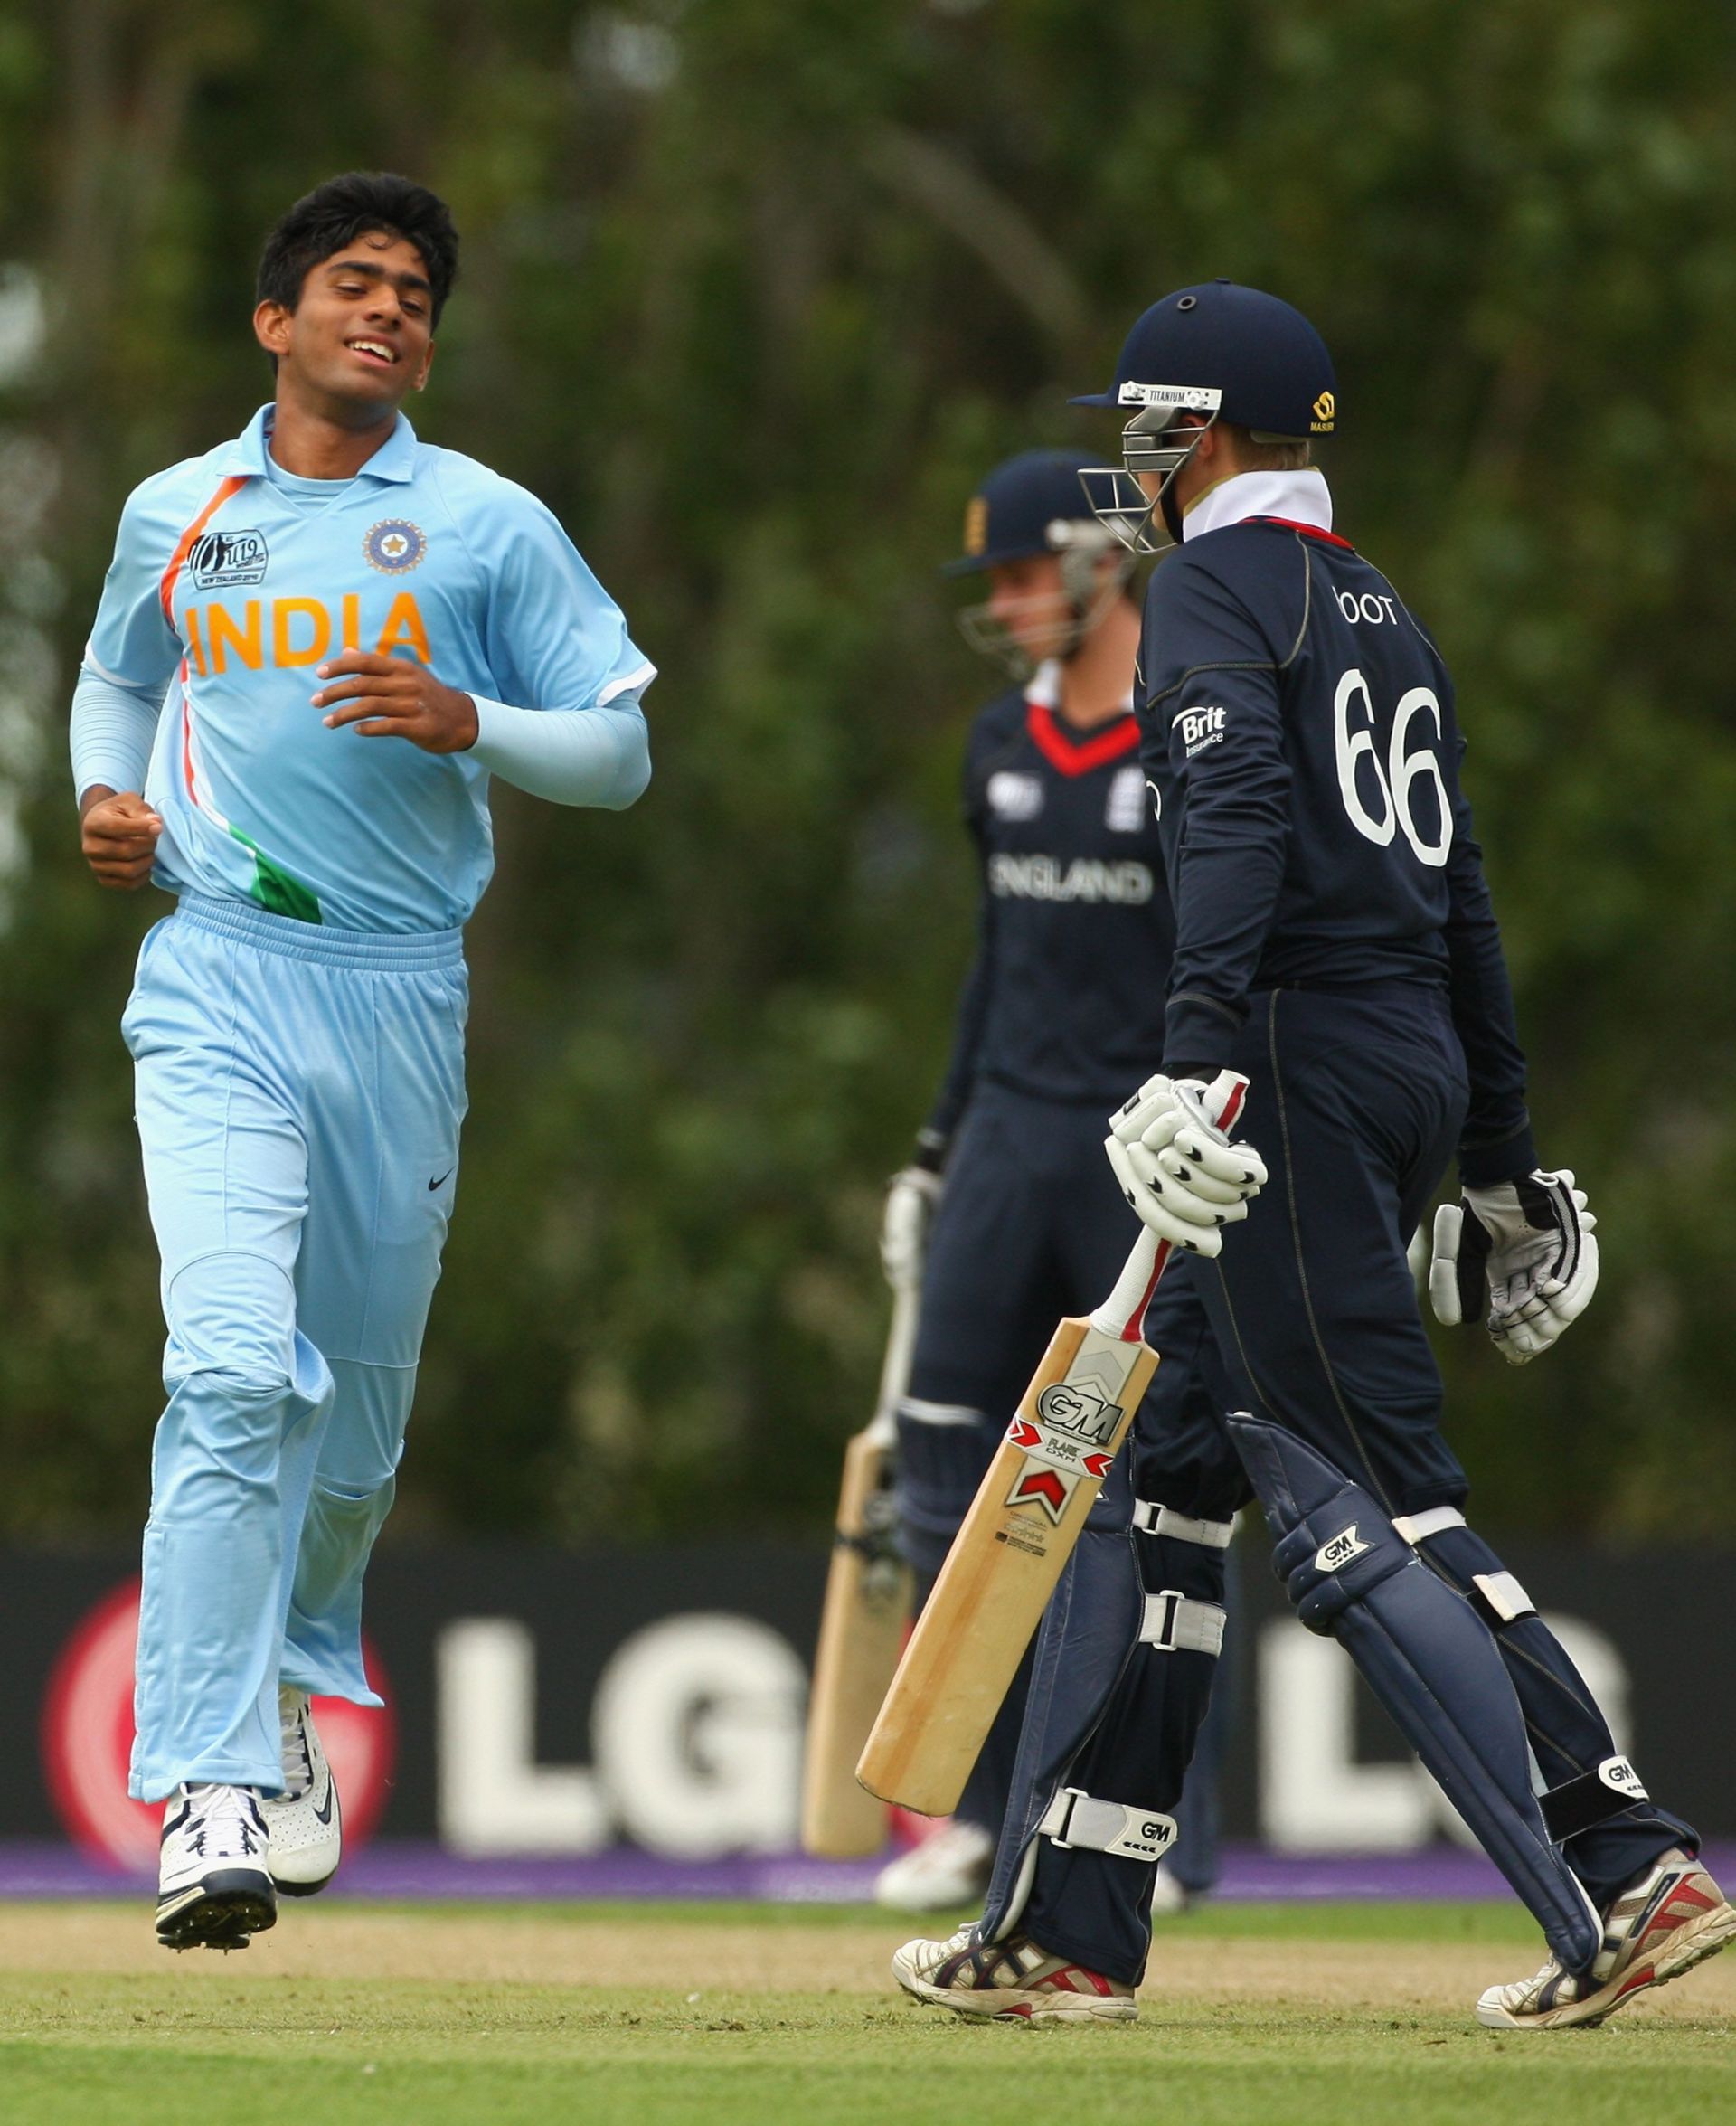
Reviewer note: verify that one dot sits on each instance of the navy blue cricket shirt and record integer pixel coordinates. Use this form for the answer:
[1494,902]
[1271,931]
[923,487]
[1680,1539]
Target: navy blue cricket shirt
[1297,725]
[1065,999]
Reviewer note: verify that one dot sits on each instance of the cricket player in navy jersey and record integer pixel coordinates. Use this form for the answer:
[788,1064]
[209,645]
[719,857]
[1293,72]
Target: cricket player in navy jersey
[1062,1007]
[314,646]
[1335,944]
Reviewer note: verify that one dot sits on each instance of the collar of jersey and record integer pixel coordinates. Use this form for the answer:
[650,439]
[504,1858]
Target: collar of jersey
[395,459]
[1043,688]
[1073,756]
[1300,498]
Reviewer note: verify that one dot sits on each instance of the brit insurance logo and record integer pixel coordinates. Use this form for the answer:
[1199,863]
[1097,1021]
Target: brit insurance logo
[220,561]
[395,546]
[1202,727]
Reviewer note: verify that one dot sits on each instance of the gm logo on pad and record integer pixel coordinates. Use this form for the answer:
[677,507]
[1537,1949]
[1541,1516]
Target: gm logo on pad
[1618,1773]
[1343,1547]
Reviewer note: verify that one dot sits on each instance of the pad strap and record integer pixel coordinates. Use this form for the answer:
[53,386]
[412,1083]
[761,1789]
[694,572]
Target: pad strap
[1499,1599]
[1074,1819]
[1416,1527]
[1174,1623]
[1152,1519]
[1579,1804]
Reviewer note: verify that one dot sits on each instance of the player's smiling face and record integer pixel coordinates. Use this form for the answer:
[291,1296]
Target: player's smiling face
[362,335]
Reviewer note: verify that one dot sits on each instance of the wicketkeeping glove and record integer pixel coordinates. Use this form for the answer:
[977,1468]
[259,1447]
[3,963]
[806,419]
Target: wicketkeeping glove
[1178,1170]
[1526,1249]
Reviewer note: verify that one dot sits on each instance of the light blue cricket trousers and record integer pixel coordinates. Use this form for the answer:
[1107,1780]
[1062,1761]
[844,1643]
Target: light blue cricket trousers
[300,1094]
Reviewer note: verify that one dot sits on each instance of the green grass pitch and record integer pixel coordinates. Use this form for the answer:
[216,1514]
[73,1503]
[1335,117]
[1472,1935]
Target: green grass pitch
[741,2017]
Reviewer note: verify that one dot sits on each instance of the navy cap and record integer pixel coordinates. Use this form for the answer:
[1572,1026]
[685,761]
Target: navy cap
[1244,356]
[1008,518]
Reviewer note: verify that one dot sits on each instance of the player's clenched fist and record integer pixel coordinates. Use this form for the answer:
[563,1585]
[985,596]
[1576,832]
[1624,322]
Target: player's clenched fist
[396,697]
[119,832]
[1178,1168]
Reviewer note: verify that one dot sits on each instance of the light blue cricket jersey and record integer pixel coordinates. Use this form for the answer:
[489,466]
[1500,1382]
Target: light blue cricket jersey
[227,590]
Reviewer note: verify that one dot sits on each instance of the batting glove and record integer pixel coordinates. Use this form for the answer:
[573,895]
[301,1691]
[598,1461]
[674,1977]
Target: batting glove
[1178,1170]
[1526,1249]
[911,1196]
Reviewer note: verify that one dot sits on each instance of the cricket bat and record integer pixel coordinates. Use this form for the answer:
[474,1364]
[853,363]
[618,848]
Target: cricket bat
[868,1598]
[1021,1528]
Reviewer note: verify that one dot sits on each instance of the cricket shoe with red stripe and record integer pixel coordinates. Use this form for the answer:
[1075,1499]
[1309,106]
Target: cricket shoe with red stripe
[214,1881]
[306,1823]
[1664,1923]
[1010,1981]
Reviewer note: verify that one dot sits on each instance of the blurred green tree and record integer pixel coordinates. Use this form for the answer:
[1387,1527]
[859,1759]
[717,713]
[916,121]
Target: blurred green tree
[751,295]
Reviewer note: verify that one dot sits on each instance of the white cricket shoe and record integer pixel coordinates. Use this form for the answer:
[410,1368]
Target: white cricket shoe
[306,1823]
[949,1869]
[1169,1898]
[1010,1981]
[1666,1921]
[214,1878]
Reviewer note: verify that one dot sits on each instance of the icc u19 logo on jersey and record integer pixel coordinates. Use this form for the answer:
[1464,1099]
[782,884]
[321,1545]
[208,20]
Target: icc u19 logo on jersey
[395,546]
[219,561]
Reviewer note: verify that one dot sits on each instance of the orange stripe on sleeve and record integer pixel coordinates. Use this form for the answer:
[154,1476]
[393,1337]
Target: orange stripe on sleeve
[185,544]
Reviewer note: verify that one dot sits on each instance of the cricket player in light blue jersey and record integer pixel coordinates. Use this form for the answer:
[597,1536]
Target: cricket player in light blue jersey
[314,646]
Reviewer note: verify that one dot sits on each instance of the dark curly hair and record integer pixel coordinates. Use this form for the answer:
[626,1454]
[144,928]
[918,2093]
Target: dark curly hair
[334,215]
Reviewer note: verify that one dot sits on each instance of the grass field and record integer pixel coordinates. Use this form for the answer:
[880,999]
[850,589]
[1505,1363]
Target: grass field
[746,2017]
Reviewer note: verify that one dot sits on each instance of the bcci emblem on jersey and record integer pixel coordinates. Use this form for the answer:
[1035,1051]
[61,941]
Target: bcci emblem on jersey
[395,546]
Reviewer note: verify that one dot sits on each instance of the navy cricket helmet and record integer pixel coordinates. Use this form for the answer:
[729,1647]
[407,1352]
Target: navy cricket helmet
[1032,504]
[1235,353]
[1216,352]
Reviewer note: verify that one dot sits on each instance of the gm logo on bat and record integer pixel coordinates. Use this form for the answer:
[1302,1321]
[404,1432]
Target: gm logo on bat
[1078,1411]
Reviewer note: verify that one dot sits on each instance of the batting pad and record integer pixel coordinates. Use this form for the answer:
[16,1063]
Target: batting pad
[1430,1659]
